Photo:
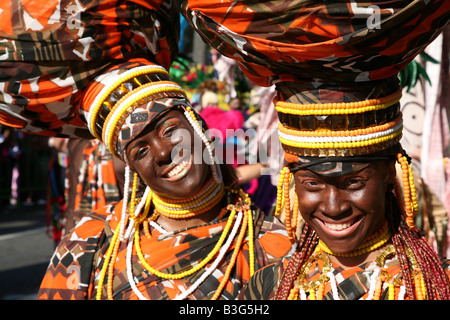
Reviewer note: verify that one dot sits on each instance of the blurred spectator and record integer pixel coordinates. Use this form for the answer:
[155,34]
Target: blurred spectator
[33,167]
[9,153]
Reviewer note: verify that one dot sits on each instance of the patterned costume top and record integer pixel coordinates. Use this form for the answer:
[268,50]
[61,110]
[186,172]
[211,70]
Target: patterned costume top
[74,269]
[50,54]
[351,283]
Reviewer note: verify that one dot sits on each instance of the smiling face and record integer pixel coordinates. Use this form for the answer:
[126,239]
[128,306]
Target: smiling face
[163,156]
[344,210]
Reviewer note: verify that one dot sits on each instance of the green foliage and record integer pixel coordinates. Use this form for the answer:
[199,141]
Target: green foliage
[414,71]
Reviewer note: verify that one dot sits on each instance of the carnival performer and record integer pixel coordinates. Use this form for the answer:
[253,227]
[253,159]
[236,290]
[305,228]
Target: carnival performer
[335,66]
[193,233]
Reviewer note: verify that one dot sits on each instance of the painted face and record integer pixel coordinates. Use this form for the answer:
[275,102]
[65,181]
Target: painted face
[344,210]
[165,157]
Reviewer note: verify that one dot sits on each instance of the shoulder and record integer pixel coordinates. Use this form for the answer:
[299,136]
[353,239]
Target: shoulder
[92,225]
[85,236]
[264,283]
[69,273]
[273,237]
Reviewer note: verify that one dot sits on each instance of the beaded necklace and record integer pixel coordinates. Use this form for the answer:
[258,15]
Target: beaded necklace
[243,221]
[380,278]
[208,197]
[377,240]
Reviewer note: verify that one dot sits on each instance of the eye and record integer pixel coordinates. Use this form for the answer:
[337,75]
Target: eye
[354,183]
[167,127]
[138,152]
[167,132]
[141,152]
[312,184]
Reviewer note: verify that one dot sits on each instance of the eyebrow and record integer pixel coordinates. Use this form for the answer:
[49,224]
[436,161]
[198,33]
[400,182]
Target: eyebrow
[307,173]
[148,128]
[163,120]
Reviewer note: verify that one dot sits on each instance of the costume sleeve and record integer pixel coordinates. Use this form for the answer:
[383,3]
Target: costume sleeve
[71,270]
[263,284]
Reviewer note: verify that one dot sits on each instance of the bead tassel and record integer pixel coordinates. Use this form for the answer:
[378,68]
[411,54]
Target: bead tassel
[410,201]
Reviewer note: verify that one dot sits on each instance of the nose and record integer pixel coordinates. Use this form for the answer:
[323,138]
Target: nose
[161,151]
[334,202]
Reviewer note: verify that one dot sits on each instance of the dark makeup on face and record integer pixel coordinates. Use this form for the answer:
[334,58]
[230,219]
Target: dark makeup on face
[344,210]
[167,171]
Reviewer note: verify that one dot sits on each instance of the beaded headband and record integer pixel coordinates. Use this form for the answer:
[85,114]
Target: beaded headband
[339,129]
[121,92]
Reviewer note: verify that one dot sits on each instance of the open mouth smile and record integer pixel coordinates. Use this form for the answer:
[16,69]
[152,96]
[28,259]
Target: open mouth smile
[337,226]
[340,229]
[178,171]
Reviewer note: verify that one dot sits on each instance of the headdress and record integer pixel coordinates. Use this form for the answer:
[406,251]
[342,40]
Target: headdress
[335,66]
[335,69]
[46,69]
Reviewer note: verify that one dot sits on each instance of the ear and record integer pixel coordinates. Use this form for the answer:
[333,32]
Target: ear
[391,174]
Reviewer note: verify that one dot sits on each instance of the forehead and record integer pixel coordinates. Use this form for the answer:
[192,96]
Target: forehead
[170,114]
[370,169]
[332,168]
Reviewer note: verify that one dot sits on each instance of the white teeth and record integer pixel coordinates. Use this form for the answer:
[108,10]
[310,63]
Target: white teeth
[177,169]
[337,227]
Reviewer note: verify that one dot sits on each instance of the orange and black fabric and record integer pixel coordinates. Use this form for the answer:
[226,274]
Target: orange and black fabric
[334,64]
[352,283]
[333,45]
[76,264]
[97,183]
[51,51]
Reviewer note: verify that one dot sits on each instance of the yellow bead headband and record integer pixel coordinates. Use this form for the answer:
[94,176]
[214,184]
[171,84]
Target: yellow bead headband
[340,129]
[113,84]
[335,141]
[126,104]
[338,108]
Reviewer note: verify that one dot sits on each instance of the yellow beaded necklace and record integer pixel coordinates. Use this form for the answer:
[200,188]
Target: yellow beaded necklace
[246,227]
[377,240]
[206,199]
[314,289]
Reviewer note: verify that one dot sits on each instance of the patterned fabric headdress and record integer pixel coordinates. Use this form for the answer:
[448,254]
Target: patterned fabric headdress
[50,52]
[121,102]
[334,65]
